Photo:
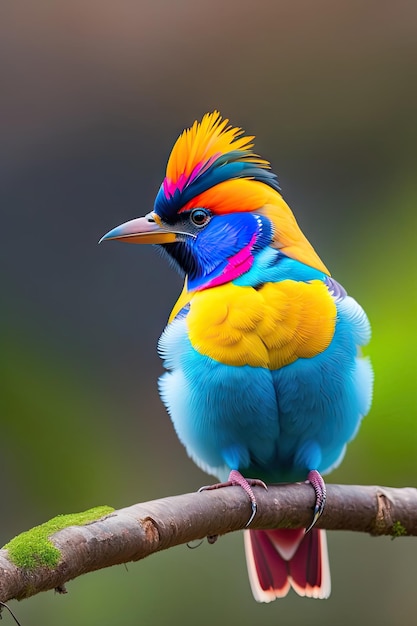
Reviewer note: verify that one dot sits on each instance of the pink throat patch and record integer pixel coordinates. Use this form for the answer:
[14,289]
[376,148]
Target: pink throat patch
[237,265]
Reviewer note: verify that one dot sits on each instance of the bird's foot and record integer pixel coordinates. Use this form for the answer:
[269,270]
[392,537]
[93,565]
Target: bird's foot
[316,481]
[237,480]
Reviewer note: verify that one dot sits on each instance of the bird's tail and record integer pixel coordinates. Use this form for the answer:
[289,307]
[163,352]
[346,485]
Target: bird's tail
[284,558]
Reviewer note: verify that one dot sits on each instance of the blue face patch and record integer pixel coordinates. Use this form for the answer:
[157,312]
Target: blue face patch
[206,257]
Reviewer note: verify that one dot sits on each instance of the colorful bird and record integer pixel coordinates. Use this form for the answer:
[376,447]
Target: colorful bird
[264,378]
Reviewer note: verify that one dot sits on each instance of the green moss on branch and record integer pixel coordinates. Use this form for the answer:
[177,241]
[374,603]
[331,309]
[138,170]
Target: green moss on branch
[33,548]
[398,530]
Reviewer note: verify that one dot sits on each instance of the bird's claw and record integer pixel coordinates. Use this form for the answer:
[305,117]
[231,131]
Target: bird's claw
[254,511]
[237,480]
[316,481]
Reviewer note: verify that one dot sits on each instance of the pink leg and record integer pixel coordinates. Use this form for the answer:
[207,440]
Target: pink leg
[237,480]
[316,481]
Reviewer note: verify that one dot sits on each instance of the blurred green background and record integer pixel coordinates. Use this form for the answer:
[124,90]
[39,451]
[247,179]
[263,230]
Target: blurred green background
[93,96]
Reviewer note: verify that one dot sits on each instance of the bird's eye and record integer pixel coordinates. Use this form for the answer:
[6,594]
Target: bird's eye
[199,217]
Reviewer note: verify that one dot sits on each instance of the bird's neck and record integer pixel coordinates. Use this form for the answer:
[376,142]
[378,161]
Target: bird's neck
[230,269]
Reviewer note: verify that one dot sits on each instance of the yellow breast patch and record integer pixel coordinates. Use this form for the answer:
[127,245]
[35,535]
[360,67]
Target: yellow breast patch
[269,327]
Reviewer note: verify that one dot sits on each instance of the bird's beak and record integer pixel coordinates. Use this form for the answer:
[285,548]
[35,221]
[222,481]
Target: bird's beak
[148,229]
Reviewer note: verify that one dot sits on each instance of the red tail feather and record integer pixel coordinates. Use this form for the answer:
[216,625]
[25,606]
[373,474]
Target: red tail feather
[280,559]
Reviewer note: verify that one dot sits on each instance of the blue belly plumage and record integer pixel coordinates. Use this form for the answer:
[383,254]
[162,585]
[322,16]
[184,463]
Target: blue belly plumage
[276,424]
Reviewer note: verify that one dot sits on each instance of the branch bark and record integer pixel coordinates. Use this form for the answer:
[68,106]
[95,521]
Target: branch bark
[135,532]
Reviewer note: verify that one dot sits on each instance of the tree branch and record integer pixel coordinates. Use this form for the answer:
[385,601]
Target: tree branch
[137,531]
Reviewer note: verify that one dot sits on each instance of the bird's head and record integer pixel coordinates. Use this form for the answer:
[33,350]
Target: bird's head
[218,206]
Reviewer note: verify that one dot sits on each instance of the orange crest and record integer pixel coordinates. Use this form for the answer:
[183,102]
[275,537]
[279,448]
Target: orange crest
[199,146]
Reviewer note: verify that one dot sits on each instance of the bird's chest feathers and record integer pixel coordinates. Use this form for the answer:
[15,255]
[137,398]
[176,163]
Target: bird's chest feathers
[267,327]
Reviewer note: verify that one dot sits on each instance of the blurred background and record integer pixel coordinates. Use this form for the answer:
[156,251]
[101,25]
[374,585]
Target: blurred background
[94,94]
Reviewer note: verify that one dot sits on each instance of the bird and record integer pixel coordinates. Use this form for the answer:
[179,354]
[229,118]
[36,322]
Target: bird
[264,381]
